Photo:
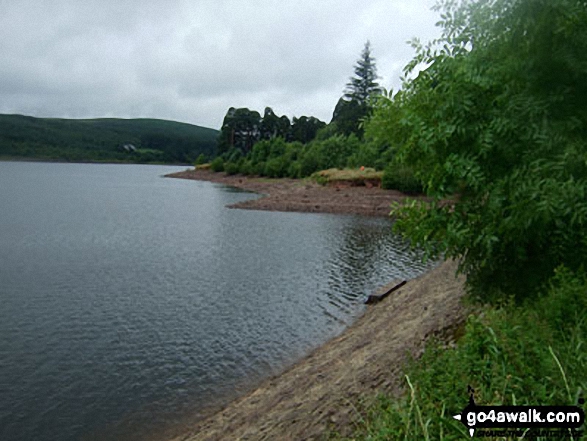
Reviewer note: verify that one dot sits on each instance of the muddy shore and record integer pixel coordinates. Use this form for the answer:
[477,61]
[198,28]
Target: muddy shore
[319,393]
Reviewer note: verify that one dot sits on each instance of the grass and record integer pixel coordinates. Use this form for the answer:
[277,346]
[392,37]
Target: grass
[531,354]
[353,176]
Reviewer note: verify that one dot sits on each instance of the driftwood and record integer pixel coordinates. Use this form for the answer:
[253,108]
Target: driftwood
[385,290]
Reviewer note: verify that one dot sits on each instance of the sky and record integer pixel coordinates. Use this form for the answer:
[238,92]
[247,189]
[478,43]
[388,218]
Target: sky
[190,61]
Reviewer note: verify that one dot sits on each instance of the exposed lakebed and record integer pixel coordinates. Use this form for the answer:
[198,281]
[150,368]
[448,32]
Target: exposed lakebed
[130,301]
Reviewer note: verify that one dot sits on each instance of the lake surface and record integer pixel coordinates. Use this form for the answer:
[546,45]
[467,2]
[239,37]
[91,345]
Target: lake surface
[130,302]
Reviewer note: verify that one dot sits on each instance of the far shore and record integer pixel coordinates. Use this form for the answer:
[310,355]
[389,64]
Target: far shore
[303,195]
[82,161]
[320,393]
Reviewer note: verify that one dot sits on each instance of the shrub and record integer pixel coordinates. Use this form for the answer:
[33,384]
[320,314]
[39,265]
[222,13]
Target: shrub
[201,159]
[400,177]
[231,168]
[309,163]
[335,151]
[233,155]
[246,167]
[259,168]
[365,155]
[276,167]
[260,151]
[217,165]
[294,170]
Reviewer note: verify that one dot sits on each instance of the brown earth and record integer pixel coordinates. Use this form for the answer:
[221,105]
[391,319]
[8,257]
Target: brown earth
[319,394]
[303,195]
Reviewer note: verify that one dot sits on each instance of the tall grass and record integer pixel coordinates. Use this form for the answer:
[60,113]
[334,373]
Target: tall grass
[534,354]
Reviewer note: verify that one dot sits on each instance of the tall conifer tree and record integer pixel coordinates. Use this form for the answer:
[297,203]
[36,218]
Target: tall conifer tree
[364,83]
[354,106]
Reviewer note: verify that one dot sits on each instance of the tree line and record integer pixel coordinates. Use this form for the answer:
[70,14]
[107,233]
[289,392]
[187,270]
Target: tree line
[273,146]
[242,128]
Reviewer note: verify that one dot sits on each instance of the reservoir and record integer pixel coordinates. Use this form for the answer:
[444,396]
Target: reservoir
[130,303]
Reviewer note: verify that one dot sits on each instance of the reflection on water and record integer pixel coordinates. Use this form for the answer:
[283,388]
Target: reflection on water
[130,301]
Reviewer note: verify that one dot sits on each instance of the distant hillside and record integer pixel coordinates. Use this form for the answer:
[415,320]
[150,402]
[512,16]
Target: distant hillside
[105,139]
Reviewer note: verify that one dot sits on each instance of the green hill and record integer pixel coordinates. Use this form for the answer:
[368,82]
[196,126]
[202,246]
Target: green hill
[104,139]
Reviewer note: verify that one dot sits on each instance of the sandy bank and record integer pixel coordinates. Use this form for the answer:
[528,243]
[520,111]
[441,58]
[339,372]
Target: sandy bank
[318,394]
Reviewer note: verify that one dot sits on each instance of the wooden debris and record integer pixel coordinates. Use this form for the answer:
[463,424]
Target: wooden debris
[385,290]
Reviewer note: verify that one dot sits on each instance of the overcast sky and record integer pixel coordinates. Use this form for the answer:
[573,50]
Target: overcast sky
[190,61]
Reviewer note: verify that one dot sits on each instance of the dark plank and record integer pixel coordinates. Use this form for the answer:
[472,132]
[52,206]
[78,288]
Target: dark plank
[385,290]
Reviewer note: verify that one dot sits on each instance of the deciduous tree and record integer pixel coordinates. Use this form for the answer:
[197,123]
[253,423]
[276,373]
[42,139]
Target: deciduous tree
[497,120]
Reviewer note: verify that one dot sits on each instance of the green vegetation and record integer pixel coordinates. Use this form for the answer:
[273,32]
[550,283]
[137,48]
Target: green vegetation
[355,106]
[500,120]
[277,158]
[357,177]
[272,146]
[401,177]
[514,355]
[243,128]
[146,140]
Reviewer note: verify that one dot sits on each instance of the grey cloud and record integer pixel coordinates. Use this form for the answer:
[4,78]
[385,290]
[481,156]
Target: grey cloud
[191,61]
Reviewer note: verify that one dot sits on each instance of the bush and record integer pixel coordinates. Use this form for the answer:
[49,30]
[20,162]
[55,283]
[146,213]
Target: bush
[401,177]
[261,151]
[276,168]
[201,159]
[259,168]
[366,155]
[309,163]
[217,165]
[335,151]
[231,168]
[246,167]
[233,155]
[294,170]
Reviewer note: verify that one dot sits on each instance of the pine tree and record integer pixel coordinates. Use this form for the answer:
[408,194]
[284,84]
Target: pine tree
[354,106]
[364,83]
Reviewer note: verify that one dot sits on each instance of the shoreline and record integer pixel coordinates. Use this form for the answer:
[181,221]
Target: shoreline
[88,161]
[318,393]
[304,196]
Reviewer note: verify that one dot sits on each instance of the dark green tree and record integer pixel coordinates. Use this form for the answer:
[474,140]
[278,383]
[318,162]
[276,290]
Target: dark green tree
[270,124]
[348,115]
[304,129]
[284,128]
[273,126]
[364,84]
[355,105]
[240,130]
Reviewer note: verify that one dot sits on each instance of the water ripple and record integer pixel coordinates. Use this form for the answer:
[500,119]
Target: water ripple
[131,301]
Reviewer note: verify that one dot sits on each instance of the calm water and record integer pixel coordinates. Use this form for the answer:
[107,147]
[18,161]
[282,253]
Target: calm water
[130,302]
